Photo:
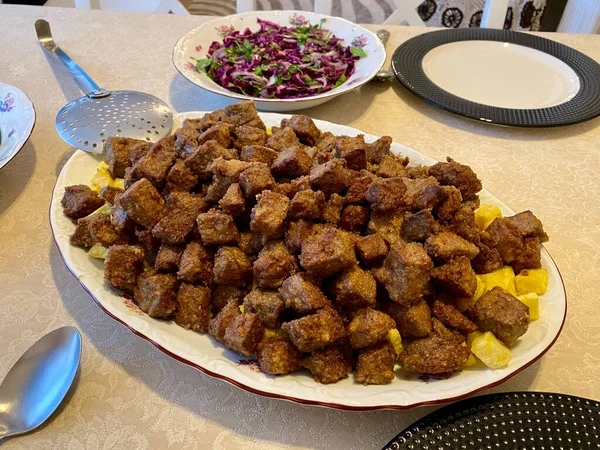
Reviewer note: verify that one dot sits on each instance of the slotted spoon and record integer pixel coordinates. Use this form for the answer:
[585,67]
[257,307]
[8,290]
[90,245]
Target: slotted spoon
[87,122]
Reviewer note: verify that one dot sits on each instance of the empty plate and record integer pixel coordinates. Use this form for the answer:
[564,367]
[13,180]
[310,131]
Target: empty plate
[500,77]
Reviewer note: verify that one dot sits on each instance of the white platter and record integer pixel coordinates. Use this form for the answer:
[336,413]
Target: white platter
[195,44]
[204,353]
[17,118]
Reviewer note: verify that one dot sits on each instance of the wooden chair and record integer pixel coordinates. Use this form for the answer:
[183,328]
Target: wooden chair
[321,6]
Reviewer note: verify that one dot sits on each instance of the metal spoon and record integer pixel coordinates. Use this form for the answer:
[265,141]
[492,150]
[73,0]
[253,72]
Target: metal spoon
[38,382]
[383,74]
[87,122]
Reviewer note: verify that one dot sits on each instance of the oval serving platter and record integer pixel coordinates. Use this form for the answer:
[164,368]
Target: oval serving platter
[204,353]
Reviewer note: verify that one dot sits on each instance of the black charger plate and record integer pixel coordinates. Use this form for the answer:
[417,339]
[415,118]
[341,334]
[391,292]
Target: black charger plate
[516,420]
[408,68]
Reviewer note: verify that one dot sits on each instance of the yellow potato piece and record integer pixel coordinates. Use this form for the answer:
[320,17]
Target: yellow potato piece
[472,336]
[119,183]
[98,251]
[101,178]
[271,332]
[491,351]
[471,361]
[466,302]
[532,280]
[505,278]
[395,339]
[242,308]
[104,209]
[485,215]
[533,301]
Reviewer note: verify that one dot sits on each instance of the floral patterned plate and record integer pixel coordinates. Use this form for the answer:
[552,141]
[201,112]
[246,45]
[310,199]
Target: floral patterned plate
[204,353]
[195,44]
[17,118]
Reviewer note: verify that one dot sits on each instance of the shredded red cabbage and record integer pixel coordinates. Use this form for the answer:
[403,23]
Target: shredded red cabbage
[280,62]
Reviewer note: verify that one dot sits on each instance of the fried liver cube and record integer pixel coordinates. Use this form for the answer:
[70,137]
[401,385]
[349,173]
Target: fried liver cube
[307,204]
[368,327]
[266,304]
[258,153]
[232,267]
[378,149]
[116,153]
[422,193]
[217,228]
[221,294]
[136,153]
[458,175]
[315,331]
[406,272]
[244,333]
[195,264]
[358,189]
[108,193]
[371,249]
[456,277]
[233,202]
[122,266]
[375,364]
[304,127]
[180,178]
[354,218]
[220,132]
[354,289]
[530,257]
[243,113]
[488,259]
[452,317]
[269,214]
[328,365]
[277,356]
[256,179]
[528,225]
[332,211]
[450,203]
[419,226]
[292,162]
[167,259]
[143,204]
[82,236]
[149,243]
[273,265]
[385,194]
[412,322]
[296,233]
[446,245]
[387,223]
[390,167]
[156,294]
[193,307]
[441,352]
[155,164]
[218,325]
[200,160]
[353,150]
[102,231]
[246,135]
[301,294]
[331,177]
[282,138]
[502,314]
[192,204]
[79,201]
[174,228]
[327,251]
[325,143]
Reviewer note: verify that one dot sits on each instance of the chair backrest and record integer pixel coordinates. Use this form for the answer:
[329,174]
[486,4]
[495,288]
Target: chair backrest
[494,13]
[149,6]
[321,6]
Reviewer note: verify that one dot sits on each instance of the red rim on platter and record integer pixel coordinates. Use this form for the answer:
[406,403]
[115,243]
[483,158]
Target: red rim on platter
[203,353]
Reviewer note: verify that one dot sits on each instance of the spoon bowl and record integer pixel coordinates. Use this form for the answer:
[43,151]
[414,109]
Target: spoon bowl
[38,382]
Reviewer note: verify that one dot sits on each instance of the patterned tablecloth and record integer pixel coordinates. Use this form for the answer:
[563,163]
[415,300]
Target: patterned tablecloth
[129,394]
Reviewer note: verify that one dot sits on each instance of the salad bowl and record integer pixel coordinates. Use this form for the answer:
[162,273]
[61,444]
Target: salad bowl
[193,47]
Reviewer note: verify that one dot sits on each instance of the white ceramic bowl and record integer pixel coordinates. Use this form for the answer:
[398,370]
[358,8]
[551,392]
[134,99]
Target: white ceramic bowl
[196,43]
[203,352]
[17,118]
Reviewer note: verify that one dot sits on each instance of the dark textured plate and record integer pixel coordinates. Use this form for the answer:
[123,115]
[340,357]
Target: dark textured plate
[408,67]
[523,420]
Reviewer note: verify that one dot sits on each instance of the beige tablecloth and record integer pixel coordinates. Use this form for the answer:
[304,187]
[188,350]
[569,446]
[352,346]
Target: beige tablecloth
[129,394]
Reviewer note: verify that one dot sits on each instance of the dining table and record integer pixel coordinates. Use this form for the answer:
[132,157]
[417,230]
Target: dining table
[128,394]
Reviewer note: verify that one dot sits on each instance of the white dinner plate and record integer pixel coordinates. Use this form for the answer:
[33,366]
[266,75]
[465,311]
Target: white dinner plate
[17,119]
[204,353]
[500,77]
